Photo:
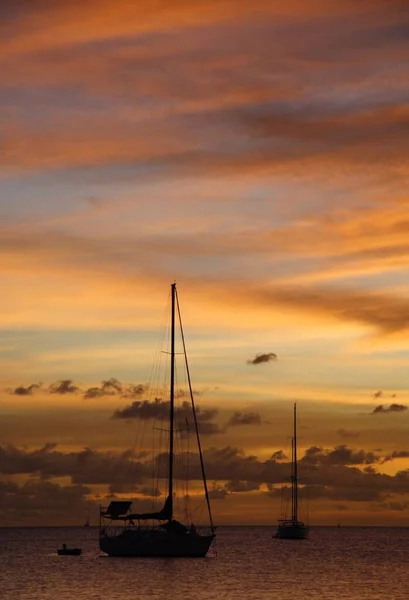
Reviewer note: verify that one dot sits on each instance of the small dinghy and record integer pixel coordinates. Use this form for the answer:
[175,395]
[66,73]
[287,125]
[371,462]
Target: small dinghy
[64,551]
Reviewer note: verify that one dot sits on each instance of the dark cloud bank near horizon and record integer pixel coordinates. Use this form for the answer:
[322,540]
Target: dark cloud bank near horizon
[338,474]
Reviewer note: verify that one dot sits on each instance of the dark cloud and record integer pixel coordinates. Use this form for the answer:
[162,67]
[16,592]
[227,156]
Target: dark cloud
[217,492]
[346,434]
[392,408]
[144,409]
[94,392]
[347,483]
[279,455]
[85,467]
[205,390]
[209,428]
[158,409]
[325,477]
[259,359]
[340,455]
[123,487]
[130,487]
[204,418]
[39,502]
[352,494]
[230,463]
[396,454]
[150,491]
[65,386]
[43,502]
[241,486]
[338,474]
[24,391]
[113,387]
[109,387]
[134,390]
[244,418]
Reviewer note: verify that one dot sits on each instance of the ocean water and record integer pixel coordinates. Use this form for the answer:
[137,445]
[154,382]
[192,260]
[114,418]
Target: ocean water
[334,564]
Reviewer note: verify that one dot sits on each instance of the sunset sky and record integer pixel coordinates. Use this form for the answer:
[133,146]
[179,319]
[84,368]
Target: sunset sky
[257,154]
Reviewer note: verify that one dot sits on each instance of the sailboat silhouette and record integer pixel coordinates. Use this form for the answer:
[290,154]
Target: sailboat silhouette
[167,536]
[293,529]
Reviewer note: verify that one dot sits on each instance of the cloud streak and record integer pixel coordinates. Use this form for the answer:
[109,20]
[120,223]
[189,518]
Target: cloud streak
[144,409]
[381,311]
[221,86]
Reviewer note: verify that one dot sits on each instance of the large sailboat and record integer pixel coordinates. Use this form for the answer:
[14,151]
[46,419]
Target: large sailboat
[159,534]
[293,529]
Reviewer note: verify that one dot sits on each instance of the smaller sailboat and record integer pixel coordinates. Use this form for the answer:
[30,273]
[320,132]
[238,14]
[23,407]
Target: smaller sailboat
[65,551]
[86,524]
[293,529]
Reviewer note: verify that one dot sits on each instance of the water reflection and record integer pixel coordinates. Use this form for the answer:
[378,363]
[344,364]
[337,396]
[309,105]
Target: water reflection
[335,564]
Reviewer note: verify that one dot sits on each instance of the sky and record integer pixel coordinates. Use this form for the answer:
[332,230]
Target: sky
[257,154]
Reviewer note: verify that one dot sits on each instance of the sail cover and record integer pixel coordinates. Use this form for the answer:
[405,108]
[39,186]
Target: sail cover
[163,515]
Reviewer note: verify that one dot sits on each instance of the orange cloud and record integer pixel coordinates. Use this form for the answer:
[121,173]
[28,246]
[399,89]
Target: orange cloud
[188,73]
[92,267]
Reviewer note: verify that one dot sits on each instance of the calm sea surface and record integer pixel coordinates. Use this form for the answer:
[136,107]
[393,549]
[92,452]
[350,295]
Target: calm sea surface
[334,564]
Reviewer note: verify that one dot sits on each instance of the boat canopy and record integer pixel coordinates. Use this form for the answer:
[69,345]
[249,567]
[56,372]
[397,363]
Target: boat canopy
[117,508]
[163,515]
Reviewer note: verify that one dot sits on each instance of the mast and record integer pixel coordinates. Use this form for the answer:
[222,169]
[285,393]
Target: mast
[295,470]
[199,445]
[172,399]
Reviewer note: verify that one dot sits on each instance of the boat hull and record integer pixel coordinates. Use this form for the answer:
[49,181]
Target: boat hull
[292,532]
[151,543]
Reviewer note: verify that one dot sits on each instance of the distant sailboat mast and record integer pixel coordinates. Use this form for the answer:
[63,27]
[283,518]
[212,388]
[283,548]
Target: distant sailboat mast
[292,528]
[295,470]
